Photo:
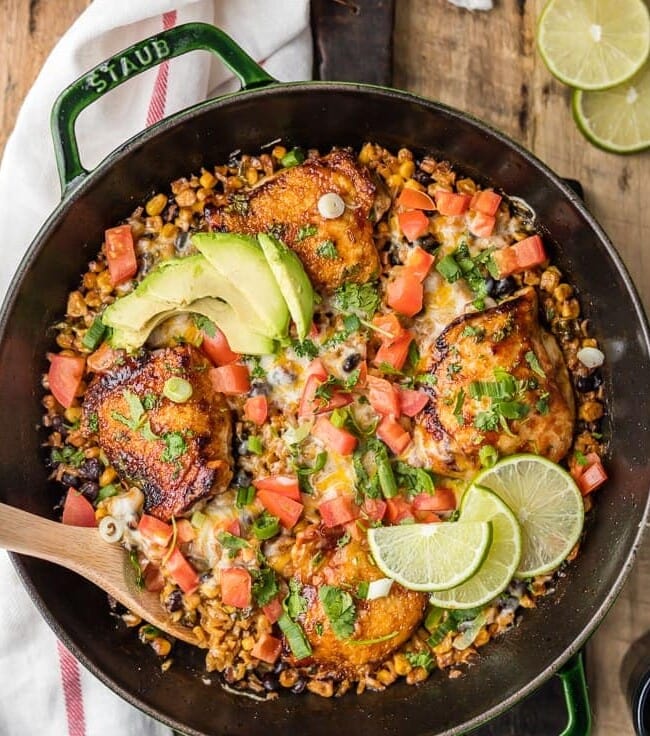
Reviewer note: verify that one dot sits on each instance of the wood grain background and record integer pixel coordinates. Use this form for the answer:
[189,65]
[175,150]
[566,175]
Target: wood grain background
[486,64]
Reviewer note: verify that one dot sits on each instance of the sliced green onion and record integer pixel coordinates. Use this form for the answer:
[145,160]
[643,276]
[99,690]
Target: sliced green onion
[255,445]
[198,519]
[266,526]
[94,334]
[293,157]
[449,269]
[295,636]
[339,417]
[245,496]
[433,618]
[362,589]
[177,390]
[379,588]
[107,492]
[488,456]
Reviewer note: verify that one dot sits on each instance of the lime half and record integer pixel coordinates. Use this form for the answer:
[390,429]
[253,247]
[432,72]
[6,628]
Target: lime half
[547,504]
[594,44]
[430,556]
[617,119]
[502,559]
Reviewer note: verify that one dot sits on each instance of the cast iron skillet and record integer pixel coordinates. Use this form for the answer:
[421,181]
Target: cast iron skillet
[315,114]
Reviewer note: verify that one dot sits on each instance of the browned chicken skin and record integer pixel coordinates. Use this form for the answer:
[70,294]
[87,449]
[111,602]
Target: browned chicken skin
[287,204]
[178,452]
[395,616]
[457,423]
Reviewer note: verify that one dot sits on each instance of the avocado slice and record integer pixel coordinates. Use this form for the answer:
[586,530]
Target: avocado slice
[239,335]
[292,280]
[239,260]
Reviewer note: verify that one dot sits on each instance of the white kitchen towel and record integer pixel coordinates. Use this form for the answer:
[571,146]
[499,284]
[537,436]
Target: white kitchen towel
[43,690]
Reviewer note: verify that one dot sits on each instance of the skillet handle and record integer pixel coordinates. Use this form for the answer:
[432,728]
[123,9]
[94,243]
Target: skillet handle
[143,55]
[576,696]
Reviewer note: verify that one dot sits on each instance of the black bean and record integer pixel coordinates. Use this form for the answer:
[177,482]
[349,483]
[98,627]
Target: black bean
[90,469]
[422,177]
[393,258]
[174,601]
[428,242]
[591,382]
[489,285]
[351,362]
[68,479]
[243,478]
[279,666]
[260,388]
[299,686]
[89,490]
[57,423]
[182,241]
[270,682]
[504,287]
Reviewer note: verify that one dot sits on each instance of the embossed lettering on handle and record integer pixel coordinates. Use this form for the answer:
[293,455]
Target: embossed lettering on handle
[132,61]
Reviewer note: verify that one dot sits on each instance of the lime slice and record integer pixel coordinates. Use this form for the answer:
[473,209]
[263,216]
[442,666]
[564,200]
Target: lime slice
[502,558]
[617,119]
[594,44]
[547,504]
[430,556]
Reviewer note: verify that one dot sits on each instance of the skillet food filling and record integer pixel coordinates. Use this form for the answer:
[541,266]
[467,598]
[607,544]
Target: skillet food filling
[340,409]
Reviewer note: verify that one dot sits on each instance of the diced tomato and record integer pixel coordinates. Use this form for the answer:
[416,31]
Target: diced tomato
[217,348]
[267,648]
[335,438]
[232,379]
[405,293]
[64,377]
[256,409]
[451,204]
[154,581]
[414,199]
[286,509]
[234,528]
[576,469]
[482,225]
[273,610]
[374,508]
[523,255]
[285,485]
[338,510]
[391,432]
[444,499]
[311,404]
[414,224]
[419,262]
[181,572]
[593,477]
[398,509]
[154,530]
[77,510]
[316,368]
[313,331]
[103,358]
[412,402]
[120,254]
[395,353]
[236,585]
[426,517]
[389,328]
[486,202]
[384,396]
[184,531]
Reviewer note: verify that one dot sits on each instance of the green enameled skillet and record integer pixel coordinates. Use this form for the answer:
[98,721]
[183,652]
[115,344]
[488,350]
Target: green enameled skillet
[318,114]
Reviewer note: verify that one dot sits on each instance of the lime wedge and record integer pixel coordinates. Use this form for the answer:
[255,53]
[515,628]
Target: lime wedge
[430,556]
[502,559]
[594,44]
[617,119]
[547,504]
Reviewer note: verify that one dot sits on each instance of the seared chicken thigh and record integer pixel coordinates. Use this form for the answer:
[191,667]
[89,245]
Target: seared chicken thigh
[331,250]
[178,452]
[500,380]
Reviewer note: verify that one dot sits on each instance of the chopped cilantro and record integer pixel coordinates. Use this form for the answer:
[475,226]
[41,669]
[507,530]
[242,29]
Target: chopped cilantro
[478,333]
[542,403]
[231,543]
[205,325]
[68,455]
[506,329]
[427,378]
[420,659]
[413,480]
[342,541]
[339,609]
[413,357]
[93,422]
[453,368]
[533,362]
[265,585]
[295,603]
[305,349]
[150,401]
[351,323]
[255,367]
[175,446]
[486,421]
[318,628]
[306,231]
[581,458]
[327,249]
[358,298]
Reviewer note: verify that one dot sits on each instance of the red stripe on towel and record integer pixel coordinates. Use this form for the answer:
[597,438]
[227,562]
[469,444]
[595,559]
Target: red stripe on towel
[159,97]
[71,680]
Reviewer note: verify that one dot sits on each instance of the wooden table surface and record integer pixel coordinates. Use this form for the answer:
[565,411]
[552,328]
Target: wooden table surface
[486,64]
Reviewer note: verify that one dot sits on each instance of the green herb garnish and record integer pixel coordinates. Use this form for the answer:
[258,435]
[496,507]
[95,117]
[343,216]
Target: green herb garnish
[306,231]
[175,446]
[339,609]
[358,298]
[327,249]
[533,362]
[231,543]
[295,603]
[265,585]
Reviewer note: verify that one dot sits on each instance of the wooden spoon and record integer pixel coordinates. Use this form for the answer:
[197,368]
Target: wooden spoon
[82,550]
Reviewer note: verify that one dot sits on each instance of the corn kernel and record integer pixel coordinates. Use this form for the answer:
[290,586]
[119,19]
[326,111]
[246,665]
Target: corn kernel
[156,205]
[570,309]
[562,292]
[186,198]
[589,342]
[407,169]
[207,180]
[366,154]
[278,152]
[395,181]
[72,414]
[169,231]
[251,176]
[107,477]
[76,305]
[591,411]
[413,184]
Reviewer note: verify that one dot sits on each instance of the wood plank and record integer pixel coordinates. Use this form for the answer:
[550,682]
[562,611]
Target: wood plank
[486,64]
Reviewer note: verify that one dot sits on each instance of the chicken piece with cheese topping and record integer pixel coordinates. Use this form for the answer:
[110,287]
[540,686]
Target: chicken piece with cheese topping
[178,452]
[332,251]
[500,380]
